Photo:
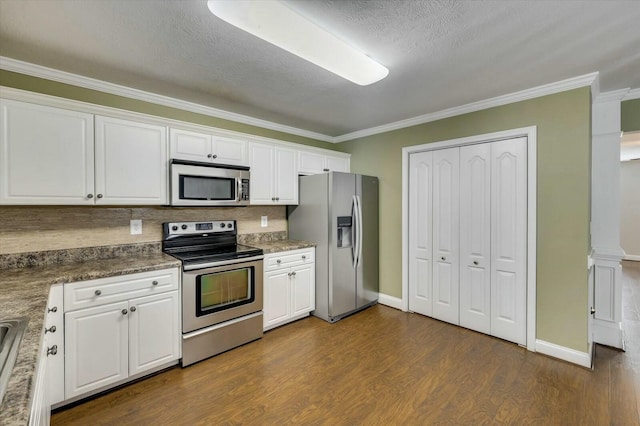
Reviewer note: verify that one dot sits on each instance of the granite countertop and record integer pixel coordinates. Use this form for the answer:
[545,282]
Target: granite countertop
[24,292]
[281,245]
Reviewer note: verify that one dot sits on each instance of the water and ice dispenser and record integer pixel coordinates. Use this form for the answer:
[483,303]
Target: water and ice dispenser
[344,231]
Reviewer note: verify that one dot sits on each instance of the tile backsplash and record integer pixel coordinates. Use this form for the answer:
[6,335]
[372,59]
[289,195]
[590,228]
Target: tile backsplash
[27,229]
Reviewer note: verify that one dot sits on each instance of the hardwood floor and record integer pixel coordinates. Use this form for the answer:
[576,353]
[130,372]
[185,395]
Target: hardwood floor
[383,366]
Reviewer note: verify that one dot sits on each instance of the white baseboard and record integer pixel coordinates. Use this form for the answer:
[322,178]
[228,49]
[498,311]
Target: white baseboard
[608,333]
[393,302]
[566,354]
[634,257]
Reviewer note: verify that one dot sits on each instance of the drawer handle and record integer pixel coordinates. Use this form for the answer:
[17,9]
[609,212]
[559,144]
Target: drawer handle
[53,350]
[51,329]
[54,309]
[97,292]
[133,309]
[325,170]
[155,282]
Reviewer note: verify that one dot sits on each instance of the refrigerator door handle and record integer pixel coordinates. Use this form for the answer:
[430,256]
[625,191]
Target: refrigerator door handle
[359,229]
[355,233]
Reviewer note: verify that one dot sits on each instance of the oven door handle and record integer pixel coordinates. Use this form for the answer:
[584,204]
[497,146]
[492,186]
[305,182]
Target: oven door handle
[222,263]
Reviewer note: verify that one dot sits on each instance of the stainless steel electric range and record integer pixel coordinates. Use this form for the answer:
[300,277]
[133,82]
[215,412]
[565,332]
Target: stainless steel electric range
[221,287]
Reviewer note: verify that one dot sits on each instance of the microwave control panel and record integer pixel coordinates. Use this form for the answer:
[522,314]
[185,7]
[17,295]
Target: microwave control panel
[244,190]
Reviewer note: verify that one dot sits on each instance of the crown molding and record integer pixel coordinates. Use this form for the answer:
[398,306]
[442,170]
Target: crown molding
[613,96]
[632,94]
[535,92]
[14,65]
[34,70]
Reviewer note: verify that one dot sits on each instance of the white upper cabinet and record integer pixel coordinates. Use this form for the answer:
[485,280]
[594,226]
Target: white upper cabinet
[131,162]
[208,148]
[273,175]
[46,155]
[312,163]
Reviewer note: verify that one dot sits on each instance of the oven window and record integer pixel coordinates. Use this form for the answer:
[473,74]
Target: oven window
[207,188]
[223,290]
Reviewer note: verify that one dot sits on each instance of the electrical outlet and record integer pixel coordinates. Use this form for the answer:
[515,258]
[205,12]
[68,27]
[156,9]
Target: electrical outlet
[136,226]
[264,221]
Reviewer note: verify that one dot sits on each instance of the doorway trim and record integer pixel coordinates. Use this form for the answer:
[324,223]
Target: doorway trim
[532,142]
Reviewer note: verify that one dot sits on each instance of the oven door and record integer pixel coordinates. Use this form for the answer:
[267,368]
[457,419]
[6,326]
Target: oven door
[221,293]
[202,185]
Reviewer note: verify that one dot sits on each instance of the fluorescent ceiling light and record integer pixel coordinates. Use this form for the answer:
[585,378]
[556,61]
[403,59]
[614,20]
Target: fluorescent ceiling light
[274,22]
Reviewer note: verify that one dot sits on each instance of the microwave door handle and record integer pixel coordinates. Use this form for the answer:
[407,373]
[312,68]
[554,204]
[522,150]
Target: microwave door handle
[238,195]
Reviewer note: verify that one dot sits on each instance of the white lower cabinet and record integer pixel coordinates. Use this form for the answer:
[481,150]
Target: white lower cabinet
[289,286]
[106,343]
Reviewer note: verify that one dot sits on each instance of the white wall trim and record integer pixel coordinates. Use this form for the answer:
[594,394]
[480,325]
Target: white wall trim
[26,68]
[14,65]
[608,333]
[632,94]
[531,133]
[613,96]
[567,354]
[71,104]
[393,302]
[535,92]
[634,257]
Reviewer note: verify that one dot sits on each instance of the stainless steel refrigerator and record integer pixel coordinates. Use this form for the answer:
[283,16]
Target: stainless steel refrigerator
[339,212]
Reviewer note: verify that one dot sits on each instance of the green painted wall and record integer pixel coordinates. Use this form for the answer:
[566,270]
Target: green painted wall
[564,148]
[48,87]
[630,115]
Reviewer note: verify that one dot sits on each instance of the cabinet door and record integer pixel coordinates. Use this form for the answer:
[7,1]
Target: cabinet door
[303,289]
[154,331]
[191,146]
[421,236]
[509,239]
[286,177]
[54,336]
[475,237]
[96,343]
[311,163]
[445,235]
[276,298]
[229,151]
[46,155]
[131,162]
[262,165]
[337,164]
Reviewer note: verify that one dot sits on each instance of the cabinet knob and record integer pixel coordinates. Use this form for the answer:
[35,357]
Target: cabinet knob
[278,261]
[304,257]
[51,329]
[273,198]
[277,198]
[124,312]
[443,258]
[215,156]
[289,274]
[209,155]
[154,282]
[54,309]
[133,309]
[475,262]
[325,170]
[89,195]
[99,195]
[97,292]
[293,273]
[52,350]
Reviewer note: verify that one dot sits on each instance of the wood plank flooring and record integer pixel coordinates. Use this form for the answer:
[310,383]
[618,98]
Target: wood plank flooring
[383,366]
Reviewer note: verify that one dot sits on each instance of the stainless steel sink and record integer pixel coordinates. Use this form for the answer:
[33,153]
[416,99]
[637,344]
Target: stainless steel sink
[11,332]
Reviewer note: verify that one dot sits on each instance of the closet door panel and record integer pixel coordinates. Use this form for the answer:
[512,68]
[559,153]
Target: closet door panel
[475,237]
[509,239]
[446,229]
[420,235]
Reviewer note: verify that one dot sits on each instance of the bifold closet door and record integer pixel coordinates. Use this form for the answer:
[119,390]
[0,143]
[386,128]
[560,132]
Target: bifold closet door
[420,233]
[475,237]
[446,227]
[509,239]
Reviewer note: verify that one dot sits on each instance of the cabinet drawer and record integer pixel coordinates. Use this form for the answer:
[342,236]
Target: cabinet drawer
[290,258]
[115,289]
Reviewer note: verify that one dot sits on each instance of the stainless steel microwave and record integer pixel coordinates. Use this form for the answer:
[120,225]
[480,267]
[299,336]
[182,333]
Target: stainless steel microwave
[202,184]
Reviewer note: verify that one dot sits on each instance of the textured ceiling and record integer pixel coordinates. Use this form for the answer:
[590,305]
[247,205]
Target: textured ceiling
[440,54]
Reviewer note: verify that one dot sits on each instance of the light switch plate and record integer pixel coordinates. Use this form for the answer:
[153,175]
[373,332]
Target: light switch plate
[264,221]
[136,226]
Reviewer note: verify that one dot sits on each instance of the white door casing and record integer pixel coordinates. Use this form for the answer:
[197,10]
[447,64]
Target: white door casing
[446,284]
[420,239]
[475,237]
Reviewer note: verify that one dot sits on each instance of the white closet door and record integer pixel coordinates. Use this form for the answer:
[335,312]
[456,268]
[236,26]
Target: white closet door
[420,233]
[509,239]
[446,229]
[475,237]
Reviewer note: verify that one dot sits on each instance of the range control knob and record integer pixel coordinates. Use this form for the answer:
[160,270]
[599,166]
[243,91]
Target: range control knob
[222,225]
[184,226]
[230,225]
[174,228]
